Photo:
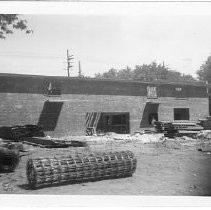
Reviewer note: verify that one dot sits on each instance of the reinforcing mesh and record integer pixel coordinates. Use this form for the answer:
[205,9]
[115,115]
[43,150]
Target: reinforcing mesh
[81,167]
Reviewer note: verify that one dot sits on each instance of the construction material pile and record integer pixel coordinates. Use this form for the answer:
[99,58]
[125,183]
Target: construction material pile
[206,123]
[165,127]
[81,167]
[178,128]
[17,132]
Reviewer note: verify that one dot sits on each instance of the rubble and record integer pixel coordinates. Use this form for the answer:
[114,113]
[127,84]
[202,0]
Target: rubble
[171,144]
[124,138]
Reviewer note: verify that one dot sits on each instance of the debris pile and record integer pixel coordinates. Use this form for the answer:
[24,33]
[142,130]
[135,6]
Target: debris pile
[147,138]
[171,143]
[137,137]
[82,167]
[205,141]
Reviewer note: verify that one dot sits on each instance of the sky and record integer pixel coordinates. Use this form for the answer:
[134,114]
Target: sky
[102,42]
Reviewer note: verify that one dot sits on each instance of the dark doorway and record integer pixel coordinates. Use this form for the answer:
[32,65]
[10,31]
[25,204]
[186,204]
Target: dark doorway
[50,115]
[150,114]
[181,114]
[117,122]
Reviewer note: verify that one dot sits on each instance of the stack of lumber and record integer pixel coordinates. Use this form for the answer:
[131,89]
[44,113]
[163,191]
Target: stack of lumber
[178,128]
[187,128]
[165,127]
[81,167]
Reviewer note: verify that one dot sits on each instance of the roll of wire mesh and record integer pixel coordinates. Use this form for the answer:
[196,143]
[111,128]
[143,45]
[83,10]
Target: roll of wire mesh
[43,172]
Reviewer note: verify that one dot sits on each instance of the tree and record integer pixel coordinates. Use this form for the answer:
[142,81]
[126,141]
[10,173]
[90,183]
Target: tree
[204,73]
[11,22]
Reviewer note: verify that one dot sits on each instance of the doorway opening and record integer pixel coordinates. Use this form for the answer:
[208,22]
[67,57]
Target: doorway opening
[104,122]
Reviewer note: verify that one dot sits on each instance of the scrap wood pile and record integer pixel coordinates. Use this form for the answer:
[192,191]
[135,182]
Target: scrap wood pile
[81,167]
[19,131]
[178,128]
[34,135]
[48,142]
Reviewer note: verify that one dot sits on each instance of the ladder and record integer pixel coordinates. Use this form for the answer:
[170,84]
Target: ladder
[92,120]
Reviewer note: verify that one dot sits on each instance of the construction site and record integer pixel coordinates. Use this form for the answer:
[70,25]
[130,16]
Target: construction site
[63,135]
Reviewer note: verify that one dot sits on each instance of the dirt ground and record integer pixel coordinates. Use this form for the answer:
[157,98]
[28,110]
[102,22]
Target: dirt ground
[160,171]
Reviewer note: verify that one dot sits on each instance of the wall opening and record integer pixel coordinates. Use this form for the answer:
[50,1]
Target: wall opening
[150,114]
[181,114]
[104,122]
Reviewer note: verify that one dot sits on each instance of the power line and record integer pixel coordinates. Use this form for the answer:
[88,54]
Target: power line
[32,56]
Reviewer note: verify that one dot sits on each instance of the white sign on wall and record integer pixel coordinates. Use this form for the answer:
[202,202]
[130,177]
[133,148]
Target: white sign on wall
[151,92]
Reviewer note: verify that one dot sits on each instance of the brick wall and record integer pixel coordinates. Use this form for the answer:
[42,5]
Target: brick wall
[22,108]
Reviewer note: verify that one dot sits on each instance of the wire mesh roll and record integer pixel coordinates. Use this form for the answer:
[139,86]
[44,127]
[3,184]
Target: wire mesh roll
[81,167]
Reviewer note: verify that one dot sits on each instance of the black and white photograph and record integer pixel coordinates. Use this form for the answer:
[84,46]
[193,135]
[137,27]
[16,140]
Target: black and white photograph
[105,99]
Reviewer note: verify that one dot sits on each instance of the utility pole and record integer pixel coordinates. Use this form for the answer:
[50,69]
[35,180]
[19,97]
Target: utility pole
[69,58]
[79,69]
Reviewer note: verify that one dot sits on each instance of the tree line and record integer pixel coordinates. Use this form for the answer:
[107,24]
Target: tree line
[158,72]
[146,72]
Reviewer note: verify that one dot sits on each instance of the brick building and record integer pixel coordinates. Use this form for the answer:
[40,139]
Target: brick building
[67,106]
